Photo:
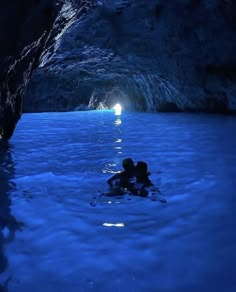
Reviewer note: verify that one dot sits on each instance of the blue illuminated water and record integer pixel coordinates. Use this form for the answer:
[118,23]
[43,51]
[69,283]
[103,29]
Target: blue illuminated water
[52,239]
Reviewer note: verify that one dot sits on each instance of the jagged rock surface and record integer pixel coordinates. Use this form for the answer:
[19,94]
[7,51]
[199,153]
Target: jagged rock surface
[173,55]
[24,30]
[27,29]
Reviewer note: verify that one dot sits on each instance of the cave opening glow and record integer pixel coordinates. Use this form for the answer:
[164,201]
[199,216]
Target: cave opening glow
[117,108]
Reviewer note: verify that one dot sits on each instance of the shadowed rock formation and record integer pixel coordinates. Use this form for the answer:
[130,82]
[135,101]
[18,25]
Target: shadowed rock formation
[173,55]
[27,29]
[24,30]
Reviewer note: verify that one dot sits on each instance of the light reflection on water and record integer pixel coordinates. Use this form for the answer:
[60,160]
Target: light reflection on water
[114,224]
[60,162]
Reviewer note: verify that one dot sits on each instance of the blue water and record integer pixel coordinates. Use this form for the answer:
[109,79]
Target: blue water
[53,239]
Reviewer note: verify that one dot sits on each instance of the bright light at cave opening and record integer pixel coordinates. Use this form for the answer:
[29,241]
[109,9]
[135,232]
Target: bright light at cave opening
[117,109]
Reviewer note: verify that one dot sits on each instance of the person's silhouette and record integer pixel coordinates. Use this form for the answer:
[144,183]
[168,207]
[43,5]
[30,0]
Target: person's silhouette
[123,180]
[142,174]
[143,184]
[142,180]
[133,179]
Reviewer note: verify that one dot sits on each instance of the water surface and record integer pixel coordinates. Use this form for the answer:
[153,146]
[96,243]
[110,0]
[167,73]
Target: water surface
[53,239]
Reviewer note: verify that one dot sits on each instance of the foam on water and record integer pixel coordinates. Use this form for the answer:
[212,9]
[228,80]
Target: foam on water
[54,239]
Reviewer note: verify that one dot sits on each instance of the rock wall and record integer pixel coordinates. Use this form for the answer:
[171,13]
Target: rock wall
[24,30]
[27,29]
[172,55]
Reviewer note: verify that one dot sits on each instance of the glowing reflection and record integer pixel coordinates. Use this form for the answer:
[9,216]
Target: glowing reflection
[109,168]
[118,141]
[117,109]
[111,164]
[118,122]
[113,224]
[112,202]
[118,128]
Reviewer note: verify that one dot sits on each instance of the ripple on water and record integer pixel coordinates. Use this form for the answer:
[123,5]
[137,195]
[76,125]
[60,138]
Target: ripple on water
[122,243]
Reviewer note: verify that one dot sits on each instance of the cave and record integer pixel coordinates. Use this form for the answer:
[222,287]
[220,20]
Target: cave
[117,145]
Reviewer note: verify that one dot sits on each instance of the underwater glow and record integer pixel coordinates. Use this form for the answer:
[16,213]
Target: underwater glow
[117,109]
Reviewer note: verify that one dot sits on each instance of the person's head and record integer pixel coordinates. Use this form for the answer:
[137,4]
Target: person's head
[142,169]
[128,164]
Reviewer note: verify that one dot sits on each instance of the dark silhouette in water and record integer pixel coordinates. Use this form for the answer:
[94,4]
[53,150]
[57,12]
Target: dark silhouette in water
[123,180]
[142,179]
[8,223]
[142,174]
[133,180]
